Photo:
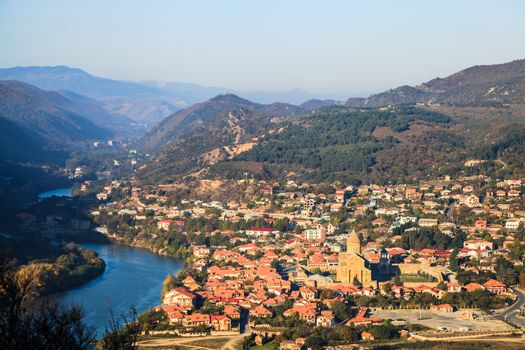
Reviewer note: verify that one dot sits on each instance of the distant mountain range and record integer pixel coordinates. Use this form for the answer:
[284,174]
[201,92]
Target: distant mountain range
[145,102]
[34,120]
[478,112]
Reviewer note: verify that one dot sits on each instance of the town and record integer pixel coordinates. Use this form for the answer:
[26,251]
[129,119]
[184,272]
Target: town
[302,265]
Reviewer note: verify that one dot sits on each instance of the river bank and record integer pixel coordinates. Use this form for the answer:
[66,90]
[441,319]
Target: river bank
[133,277]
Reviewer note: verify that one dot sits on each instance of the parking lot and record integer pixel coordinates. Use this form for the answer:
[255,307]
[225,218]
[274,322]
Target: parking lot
[439,320]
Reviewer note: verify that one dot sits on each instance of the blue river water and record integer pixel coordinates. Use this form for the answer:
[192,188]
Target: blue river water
[59,192]
[133,277]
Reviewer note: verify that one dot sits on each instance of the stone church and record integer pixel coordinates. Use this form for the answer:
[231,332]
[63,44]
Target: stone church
[353,266]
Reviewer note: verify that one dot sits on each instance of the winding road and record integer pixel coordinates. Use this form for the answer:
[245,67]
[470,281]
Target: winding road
[510,314]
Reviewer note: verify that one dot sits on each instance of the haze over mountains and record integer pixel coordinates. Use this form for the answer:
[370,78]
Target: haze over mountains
[145,102]
[34,119]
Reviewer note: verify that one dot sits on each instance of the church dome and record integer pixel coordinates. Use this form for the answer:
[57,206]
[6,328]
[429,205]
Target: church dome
[353,237]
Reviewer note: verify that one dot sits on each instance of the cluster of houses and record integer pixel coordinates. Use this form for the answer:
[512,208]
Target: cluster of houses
[264,266]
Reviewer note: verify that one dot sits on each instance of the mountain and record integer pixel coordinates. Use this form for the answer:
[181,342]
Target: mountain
[78,104]
[200,114]
[225,136]
[117,97]
[146,102]
[487,85]
[34,119]
[314,104]
[404,134]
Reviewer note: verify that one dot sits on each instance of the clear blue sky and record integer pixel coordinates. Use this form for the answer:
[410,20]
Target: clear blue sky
[343,47]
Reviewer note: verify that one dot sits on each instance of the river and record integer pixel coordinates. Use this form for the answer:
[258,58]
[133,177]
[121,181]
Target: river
[133,277]
[59,192]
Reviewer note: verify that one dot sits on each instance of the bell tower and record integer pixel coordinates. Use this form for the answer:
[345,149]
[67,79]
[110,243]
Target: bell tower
[353,243]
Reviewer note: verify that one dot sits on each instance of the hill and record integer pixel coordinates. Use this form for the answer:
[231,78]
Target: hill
[33,120]
[117,97]
[146,102]
[78,104]
[487,85]
[409,140]
[200,114]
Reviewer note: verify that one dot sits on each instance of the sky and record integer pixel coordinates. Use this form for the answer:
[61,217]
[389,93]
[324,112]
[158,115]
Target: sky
[349,48]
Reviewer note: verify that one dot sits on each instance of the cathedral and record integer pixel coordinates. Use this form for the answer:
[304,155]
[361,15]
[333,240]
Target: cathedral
[353,266]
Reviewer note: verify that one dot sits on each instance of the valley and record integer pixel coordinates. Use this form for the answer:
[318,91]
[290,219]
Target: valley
[278,225]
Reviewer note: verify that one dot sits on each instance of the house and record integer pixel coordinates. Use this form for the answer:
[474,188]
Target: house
[220,323]
[512,224]
[102,196]
[308,293]
[165,224]
[201,251]
[442,308]
[190,283]
[305,313]
[260,311]
[469,200]
[179,296]
[453,287]
[473,286]
[325,319]
[260,340]
[480,225]
[340,195]
[232,311]
[495,287]
[428,222]
[261,231]
[361,318]
[174,314]
[478,244]
[196,319]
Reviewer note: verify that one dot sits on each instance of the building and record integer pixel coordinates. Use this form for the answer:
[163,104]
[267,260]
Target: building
[165,224]
[495,287]
[179,296]
[340,195]
[469,200]
[352,265]
[261,231]
[428,222]
[317,234]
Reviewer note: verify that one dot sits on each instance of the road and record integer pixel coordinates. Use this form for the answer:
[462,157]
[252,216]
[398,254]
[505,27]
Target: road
[233,342]
[435,319]
[449,212]
[511,313]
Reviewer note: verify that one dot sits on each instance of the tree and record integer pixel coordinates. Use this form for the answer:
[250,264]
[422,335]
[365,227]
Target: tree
[454,261]
[48,327]
[384,331]
[342,311]
[397,281]
[505,271]
[122,333]
[170,282]
[314,342]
